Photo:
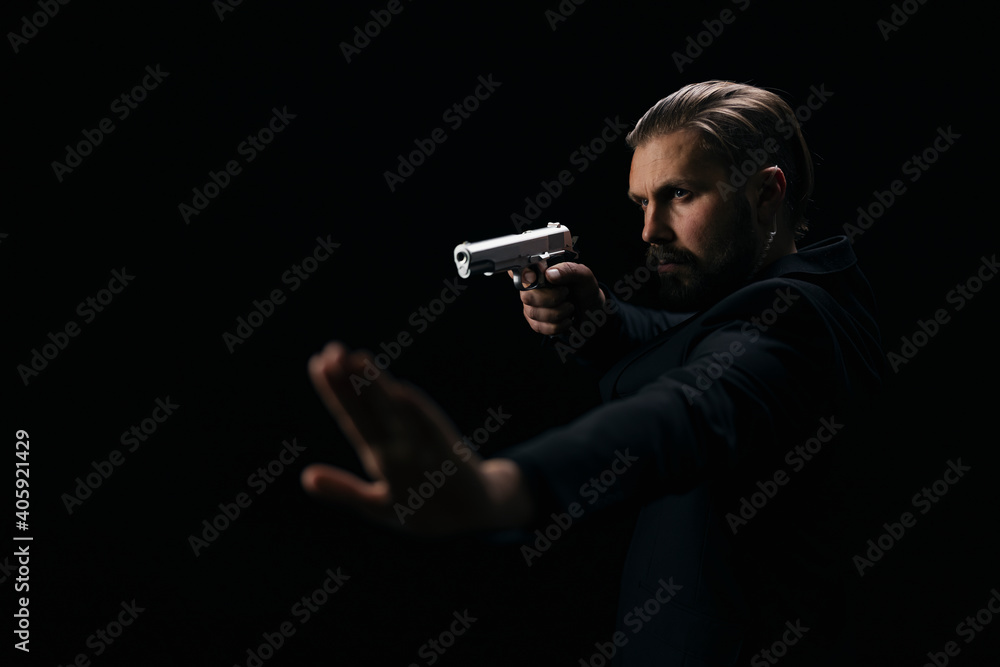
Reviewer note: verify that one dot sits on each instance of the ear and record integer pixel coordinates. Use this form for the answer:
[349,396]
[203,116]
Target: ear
[771,187]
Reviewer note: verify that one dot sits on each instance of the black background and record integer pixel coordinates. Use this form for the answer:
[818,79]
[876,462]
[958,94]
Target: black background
[324,176]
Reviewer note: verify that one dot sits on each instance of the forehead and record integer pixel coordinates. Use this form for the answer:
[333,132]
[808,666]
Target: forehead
[674,157]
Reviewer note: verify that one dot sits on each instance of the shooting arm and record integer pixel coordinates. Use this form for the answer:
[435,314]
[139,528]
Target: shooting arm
[617,329]
[673,432]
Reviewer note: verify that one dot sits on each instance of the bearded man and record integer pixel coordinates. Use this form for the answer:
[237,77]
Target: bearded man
[713,406]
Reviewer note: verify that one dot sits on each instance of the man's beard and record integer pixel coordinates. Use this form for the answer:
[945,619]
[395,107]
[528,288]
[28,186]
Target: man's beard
[701,282]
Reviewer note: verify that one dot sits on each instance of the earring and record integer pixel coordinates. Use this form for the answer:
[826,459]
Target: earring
[767,244]
[770,236]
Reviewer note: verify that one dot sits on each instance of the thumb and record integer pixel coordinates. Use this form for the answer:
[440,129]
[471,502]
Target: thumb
[584,291]
[370,498]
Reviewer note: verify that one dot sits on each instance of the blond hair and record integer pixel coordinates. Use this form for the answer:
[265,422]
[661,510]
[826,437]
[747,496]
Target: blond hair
[736,122]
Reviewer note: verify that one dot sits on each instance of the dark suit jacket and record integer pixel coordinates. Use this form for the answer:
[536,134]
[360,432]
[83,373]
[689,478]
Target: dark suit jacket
[707,410]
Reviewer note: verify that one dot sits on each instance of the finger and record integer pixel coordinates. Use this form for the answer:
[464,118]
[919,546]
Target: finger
[422,418]
[583,286]
[371,410]
[424,436]
[550,328]
[337,484]
[370,498]
[545,297]
[572,275]
[327,369]
[426,439]
[331,372]
[462,500]
[529,274]
[568,273]
[356,395]
[386,429]
[552,315]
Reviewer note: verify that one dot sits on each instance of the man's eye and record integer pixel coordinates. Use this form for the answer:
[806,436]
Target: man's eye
[675,193]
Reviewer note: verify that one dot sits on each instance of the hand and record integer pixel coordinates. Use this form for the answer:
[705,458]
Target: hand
[399,435]
[572,292]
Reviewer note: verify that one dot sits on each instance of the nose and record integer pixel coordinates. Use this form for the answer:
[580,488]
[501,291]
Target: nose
[656,228]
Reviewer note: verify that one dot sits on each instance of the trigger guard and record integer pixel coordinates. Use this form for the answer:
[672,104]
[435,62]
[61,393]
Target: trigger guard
[520,285]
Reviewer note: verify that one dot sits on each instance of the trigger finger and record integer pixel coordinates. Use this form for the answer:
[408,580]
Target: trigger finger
[546,297]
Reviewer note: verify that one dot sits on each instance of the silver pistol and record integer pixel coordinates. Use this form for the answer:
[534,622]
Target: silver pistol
[517,252]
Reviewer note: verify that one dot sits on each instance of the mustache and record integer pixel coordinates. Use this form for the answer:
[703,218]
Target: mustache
[670,255]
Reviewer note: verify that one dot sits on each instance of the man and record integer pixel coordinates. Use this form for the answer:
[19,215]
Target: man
[763,347]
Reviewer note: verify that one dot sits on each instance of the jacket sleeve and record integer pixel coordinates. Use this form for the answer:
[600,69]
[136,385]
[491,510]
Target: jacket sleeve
[598,339]
[741,384]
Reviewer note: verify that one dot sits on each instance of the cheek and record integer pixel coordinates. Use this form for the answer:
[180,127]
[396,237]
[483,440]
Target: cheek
[701,228]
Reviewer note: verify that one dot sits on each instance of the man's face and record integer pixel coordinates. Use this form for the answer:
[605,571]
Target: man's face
[707,247]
